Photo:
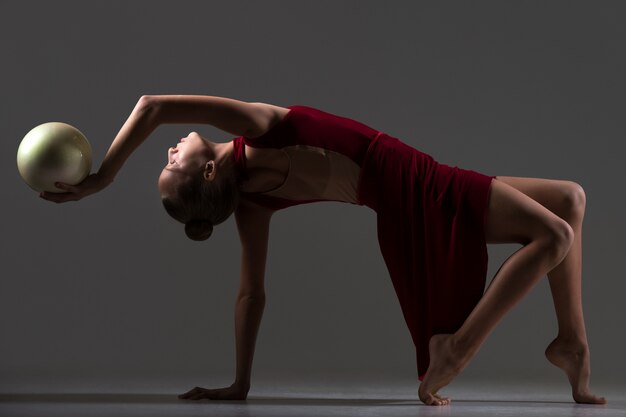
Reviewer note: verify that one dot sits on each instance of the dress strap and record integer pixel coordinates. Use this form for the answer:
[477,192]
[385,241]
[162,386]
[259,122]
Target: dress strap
[239,153]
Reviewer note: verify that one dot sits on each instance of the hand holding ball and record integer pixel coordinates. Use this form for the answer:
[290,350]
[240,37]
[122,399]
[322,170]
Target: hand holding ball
[53,152]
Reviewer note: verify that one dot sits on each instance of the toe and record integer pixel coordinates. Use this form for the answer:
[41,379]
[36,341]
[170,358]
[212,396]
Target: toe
[589,399]
[599,400]
[442,400]
[438,400]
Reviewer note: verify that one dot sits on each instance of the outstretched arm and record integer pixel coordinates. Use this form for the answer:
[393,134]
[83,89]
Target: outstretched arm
[233,116]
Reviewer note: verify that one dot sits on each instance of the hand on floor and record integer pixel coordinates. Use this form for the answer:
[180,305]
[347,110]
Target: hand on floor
[234,392]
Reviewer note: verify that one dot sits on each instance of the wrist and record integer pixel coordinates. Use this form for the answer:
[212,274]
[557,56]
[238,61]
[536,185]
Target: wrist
[244,385]
[104,179]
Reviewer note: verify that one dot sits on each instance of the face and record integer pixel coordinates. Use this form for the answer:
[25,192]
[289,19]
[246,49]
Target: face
[191,156]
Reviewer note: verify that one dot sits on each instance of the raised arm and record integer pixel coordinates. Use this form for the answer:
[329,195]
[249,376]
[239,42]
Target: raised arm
[233,116]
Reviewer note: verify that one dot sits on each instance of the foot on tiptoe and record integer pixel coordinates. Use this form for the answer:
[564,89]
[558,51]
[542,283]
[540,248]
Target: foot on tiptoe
[573,358]
[446,362]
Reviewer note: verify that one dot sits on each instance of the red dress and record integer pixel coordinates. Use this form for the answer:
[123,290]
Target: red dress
[430,216]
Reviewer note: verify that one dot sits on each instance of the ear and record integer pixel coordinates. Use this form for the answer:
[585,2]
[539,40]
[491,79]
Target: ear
[209,171]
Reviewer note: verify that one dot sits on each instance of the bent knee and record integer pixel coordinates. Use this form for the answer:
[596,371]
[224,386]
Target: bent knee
[558,238]
[575,199]
[515,217]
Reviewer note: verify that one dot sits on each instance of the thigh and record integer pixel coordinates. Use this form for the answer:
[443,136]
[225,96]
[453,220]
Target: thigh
[514,217]
[558,196]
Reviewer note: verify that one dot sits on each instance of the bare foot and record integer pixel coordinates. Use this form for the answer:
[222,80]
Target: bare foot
[445,363]
[573,358]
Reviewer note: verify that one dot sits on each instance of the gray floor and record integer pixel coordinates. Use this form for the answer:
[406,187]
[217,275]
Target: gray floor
[279,398]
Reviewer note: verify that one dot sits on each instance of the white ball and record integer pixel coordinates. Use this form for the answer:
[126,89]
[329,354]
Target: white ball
[53,152]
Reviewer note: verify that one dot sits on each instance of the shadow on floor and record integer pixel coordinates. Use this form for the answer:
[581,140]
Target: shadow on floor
[96,398]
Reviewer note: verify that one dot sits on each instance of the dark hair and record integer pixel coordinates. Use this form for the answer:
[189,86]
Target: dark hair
[201,204]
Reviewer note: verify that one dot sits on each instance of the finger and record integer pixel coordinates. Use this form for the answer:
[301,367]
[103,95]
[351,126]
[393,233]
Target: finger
[65,187]
[215,394]
[55,197]
[184,395]
[189,393]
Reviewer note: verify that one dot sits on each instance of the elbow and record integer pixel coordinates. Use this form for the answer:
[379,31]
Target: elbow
[145,102]
[255,297]
[147,106]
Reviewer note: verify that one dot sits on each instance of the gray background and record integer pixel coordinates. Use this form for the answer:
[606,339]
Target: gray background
[110,287]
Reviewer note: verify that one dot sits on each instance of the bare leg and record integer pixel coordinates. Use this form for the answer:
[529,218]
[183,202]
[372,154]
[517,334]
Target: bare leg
[512,217]
[569,350]
[450,353]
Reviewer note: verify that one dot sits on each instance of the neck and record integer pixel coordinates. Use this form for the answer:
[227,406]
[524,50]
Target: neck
[223,151]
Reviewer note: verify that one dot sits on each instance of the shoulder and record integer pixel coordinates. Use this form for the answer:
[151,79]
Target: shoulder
[252,221]
[250,214]
[278,111]
[267,115]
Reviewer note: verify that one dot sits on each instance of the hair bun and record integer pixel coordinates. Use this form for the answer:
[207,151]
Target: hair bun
[198,229]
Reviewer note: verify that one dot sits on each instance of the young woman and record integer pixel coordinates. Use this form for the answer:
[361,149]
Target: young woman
[433,224]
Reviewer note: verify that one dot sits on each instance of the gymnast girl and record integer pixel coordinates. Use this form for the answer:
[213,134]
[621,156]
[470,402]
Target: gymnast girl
[433,224]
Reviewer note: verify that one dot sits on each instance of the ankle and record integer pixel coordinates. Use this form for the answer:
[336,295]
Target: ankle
[571,340]
[463,346]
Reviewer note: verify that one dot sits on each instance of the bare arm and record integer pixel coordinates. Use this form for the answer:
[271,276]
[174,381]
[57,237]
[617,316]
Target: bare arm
[233,116]
[253,224]
[141,122]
